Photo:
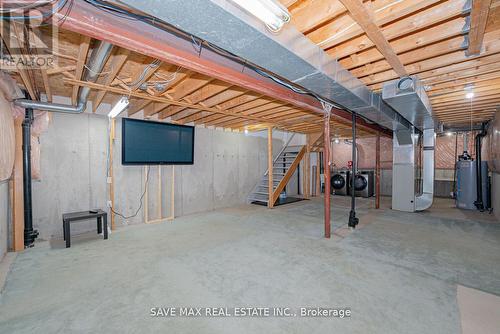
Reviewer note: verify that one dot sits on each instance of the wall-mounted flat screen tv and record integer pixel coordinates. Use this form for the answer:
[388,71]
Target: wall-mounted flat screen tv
[156,143]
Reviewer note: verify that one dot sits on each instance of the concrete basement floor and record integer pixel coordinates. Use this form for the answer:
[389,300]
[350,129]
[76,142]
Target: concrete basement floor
[398,272]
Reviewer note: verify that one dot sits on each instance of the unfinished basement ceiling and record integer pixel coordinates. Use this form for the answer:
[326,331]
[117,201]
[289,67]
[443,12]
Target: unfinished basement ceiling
[163,91]
[429,38]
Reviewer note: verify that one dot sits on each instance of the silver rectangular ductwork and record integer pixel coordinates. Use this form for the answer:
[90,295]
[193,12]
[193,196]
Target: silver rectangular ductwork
[288,54]
[408,97]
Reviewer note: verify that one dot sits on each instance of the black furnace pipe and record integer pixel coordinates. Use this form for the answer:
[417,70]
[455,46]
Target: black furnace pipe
[479,173]
[29,233]
[353,221]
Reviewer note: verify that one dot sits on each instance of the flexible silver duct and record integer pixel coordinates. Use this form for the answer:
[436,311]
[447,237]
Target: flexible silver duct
[94,67]
[424,200]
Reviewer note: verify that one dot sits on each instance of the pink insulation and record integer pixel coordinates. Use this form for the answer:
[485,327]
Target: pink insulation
[9,91]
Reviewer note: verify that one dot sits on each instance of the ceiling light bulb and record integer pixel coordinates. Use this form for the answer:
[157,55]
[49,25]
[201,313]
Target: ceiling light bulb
[449,133]
[273,14]
[119,107]
[469,95]
[246,131]
[337,141]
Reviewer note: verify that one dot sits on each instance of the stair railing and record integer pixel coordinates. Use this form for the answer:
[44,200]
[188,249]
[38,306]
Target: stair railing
[254,189]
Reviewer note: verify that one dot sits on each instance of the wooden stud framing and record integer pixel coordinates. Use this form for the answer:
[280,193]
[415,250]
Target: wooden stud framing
[17,190]
[111,184]
[117,62]
[159,198]
[80,64]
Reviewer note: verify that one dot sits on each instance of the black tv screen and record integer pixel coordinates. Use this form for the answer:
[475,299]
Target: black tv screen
[156,143]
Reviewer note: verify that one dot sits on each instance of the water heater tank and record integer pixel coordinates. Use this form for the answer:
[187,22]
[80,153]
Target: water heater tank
[467,184]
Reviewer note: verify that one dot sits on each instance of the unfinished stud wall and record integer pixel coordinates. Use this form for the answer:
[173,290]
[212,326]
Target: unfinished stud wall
[73,174]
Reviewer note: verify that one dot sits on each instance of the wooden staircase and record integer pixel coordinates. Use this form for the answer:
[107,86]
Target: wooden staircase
[284,166]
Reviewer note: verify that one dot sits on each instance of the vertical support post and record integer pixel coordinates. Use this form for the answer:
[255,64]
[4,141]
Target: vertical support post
[377,172]
[318,178]
[270,183]
[307,173]
[326,159]
[111,184]
[17,191]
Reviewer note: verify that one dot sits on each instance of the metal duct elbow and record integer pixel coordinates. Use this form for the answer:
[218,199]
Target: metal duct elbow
[424,201]
[94,67]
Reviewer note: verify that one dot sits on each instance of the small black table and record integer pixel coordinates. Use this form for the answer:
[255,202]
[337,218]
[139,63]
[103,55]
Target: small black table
[68,218]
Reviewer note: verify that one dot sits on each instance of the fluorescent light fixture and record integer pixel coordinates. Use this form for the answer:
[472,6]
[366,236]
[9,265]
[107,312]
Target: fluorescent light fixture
[120,106]
[469,95]
[272,13]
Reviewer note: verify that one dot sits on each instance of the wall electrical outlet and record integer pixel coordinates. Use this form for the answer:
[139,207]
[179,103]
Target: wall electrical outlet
[109,179]
[109,204]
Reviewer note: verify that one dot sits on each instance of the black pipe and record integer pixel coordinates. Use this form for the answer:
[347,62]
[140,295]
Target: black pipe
[353,221]
[479,173]
[29,233]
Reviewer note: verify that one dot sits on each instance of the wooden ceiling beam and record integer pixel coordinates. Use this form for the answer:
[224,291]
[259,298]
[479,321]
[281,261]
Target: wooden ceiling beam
[316,13]
[431,51]
[364,18]
[225,96]
[492,45]
[344,35]
[460,92]
[46,84]
[477,96]
[14,42]
[459,104]
[202,93]
[415,42]
[135,94]
[83,50]
[117,61]
[478,19]
[462,82]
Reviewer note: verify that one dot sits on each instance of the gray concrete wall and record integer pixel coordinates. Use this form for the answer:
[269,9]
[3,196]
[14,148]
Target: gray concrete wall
[73,174]
[4,217]
[495,194]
